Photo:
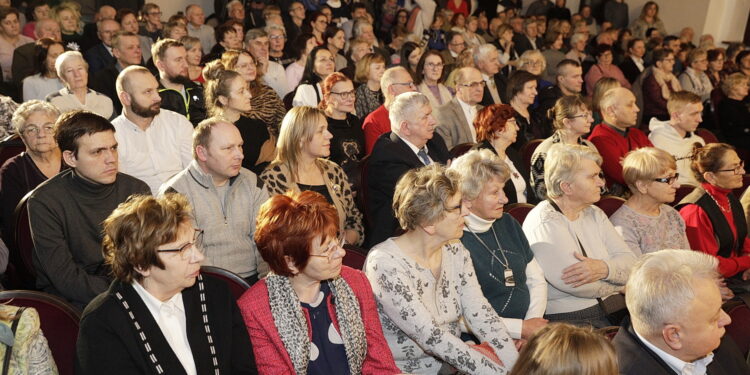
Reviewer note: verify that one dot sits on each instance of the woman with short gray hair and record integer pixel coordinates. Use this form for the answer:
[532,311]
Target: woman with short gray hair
[425,284]
[646,221]
[584,259]
[510,277]
[73,72]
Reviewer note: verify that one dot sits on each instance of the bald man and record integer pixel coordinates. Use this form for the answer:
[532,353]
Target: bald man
[617,135]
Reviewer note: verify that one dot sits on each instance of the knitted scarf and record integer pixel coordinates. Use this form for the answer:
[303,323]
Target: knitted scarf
[292,326]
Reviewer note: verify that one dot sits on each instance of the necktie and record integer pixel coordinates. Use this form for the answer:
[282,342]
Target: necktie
[423,155]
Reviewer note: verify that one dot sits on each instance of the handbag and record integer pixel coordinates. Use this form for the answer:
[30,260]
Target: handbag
[614,306]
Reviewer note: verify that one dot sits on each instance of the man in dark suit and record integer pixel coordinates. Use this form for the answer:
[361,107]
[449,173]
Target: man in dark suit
[126,48]
[677,321]
[633,64]
[486,59]
[410,144]
[100,56]
[529,39]
[24,56]
[569,81]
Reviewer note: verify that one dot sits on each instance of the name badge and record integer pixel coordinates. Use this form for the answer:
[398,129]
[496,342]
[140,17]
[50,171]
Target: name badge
[509,279]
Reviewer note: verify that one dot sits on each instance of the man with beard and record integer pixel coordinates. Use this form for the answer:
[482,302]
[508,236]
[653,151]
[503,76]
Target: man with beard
[153,143]
[178,93]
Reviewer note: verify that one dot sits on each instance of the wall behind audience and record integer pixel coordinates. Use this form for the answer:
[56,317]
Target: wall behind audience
[724,19]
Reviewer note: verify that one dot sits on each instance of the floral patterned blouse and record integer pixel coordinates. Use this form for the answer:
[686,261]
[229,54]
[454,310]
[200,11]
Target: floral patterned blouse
[366,100]
[421,315]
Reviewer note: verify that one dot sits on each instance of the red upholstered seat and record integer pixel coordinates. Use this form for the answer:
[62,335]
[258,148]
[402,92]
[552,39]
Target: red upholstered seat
[739,329]
[609,204]
[609,332]
[519,210]
[23,246]
[10,146]
[682,192]
[461,149]
[59,320]
[707,135]
[236,284]
[527,151]
[355,257]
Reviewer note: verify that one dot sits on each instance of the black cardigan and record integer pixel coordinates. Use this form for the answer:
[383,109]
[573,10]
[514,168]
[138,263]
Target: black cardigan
[108,342]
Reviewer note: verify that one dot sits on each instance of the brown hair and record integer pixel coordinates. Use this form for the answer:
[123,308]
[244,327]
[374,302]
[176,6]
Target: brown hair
[218,83]
[565,108]
[137,227]
[708,158]
[159,49]
[229,59]
[287,225]
[75,124]
[363,66]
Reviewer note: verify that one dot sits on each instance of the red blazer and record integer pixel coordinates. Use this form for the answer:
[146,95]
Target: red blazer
[271,356]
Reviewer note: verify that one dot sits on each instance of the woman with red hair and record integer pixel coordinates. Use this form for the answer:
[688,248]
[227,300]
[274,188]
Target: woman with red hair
[348,142]
[496,130]
[311,315]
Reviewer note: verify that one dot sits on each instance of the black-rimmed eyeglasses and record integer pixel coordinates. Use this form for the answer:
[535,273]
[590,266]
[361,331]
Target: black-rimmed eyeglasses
[668,180]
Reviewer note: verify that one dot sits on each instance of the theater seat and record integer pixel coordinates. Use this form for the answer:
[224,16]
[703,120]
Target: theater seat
[60,321]
[519,211]
[355,257]
[681,193]
[461,149]
[739,329]
[10,146]
[609,204]
[609,332]
[527,151]
[236,284]
[22,250]
[707,135]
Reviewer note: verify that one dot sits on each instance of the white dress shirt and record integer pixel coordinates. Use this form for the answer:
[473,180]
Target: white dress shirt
[681,367]
[638,63]
[157,153]
[518,181]
[470,112]
[493,88]
[170,317]
[415,149]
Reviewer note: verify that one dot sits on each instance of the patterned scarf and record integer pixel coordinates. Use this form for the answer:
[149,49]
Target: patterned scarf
[291,323]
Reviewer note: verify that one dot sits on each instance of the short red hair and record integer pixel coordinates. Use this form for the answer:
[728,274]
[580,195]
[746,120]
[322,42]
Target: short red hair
[327,85]
[287,225]
[491,119]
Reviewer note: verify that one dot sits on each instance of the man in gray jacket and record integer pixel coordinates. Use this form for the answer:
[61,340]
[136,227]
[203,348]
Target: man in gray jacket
[225,198]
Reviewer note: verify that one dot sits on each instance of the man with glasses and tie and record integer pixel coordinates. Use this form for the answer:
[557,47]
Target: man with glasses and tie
[395,81]
[456,45]
[224,197]
[456,118]
[410,144]
[486,59]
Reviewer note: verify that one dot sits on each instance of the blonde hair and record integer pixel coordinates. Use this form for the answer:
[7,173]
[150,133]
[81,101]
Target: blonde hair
[565,108]
[297,128]
[421,195]
[732,80]
[564,349]
[527,56]
[363,66]
[646,164]
[477,167]
[562,163]
[678,100]
[72,7]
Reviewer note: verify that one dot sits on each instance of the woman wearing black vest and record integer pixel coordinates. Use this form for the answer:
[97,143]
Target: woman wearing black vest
[714,218]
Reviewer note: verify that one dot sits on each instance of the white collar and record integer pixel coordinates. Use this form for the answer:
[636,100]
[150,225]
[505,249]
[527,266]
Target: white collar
[476,224]
[412,146]
[154,304]
[466,106]
[697,367]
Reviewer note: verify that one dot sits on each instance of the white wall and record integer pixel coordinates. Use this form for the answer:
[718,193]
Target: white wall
[169,8]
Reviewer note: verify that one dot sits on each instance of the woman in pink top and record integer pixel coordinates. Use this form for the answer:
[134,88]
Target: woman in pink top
[604,68]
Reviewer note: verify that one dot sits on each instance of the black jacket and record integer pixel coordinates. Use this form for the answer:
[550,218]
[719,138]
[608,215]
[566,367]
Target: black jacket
[636,359]
[194,108]
[501,83]
[108,342]
[98,58]
[391,158]
[629,69]
[24,62]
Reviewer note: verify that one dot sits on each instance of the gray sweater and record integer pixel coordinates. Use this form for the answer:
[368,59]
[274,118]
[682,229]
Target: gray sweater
[229,225]
[65,213]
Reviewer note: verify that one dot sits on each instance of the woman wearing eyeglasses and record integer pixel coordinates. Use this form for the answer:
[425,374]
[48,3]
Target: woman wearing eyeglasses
[160,315]
[715,220]
[425,284]
[348,142]
[583,257]
[301,164]
[604,68]
[429,79]
[311,314]
[646,221]
[522,91]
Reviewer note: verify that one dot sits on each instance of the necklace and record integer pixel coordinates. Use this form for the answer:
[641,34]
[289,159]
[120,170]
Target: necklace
[727,210]
[509,280]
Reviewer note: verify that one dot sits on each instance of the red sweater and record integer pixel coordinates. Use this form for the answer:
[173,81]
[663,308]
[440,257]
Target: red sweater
[271,356]
[376,123]
[613,147]
[700,232]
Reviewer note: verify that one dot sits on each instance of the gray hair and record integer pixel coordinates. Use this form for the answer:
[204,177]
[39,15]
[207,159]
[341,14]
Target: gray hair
[272,27]
[231,4]
[64,58]
[421,195]
[562,163]
[26,109]
[389,76]
[253,34]
[403,107]
[358,25]
[476,167]
[576,38]
[660,287]
[482,51]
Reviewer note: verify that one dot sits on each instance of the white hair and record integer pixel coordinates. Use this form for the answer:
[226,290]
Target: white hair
[388,78]
[482,52]
[476,167]
[64,58]
[660,287]
[562,162]
[231,3]
[403,107]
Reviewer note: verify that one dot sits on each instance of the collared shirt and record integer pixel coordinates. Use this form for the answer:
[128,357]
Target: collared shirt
[416,149]
[638,62]
[206,35]
[470,112]
[108,48]
[170,317]
[157,153]
[493,88]
[681,367]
